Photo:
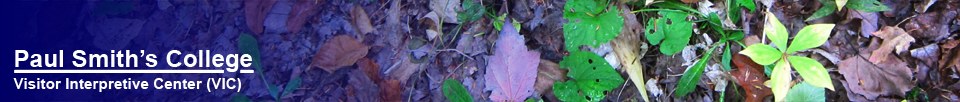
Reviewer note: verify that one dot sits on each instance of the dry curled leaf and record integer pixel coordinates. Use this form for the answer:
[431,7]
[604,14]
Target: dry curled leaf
[361,21]
[893,38]
[890,77]
[299,13]
[340,51]
[256,11]
[513,69]
[751,77]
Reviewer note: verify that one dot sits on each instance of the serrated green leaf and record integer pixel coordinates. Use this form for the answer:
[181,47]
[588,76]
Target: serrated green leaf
[811,71]
[590,29]
[471,12]
[776,32]
[455,92]
[867,5]
[810,37]
[725,59]
[674,36]
[826,10]
[762,54]
[805,92]
[292,86]
[240,98]
[593,75]
[780,80]
[691,77]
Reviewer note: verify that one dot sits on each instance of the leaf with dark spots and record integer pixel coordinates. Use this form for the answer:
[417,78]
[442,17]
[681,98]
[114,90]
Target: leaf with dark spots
[340,51]
[891,77]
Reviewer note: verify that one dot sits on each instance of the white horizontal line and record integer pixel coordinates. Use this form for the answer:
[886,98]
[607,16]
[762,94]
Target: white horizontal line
[123,71]
[246,71]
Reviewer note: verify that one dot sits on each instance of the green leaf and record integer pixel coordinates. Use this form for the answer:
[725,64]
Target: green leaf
[471,12]
[762,54]
[674,36]
[749,4]
[780,80]
[804,92]
[725,59]
[292,86]
[733,10]
[810,37]
[811,71]
[248,45]
[734,6]
[593,75]
[240,98]
[867,5]
[670,4]
[691,77]
[274,91]
[827,9]
[735,36]
[567,91]
[498,22]
[591,29]
[516,25]
[776,32]
[455,92]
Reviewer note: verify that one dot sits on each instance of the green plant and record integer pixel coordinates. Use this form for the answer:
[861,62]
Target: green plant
[863,5]
[804,92]
[589,24]
[248,45]
[592,78]
[455,92]
[674,35]
[733,8]
[809,37]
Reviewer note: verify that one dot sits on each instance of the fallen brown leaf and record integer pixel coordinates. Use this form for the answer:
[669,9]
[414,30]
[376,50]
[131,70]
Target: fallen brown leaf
[256,11]
[390,91]
[362,87]
[950,55]
[890,77]
[550,72]
[299,13]
[894,38]
[340,51]
[370,67]
[751,77]
[361,21]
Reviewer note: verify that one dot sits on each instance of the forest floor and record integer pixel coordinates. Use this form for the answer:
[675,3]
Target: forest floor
[404,50]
